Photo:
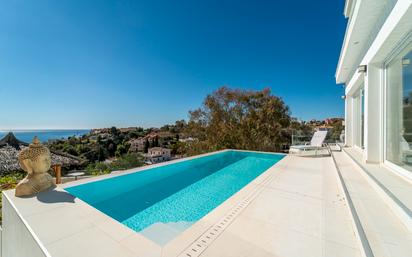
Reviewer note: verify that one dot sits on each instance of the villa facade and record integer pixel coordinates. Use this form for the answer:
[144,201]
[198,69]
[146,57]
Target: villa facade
[375,68]
[137,144]
[158,154]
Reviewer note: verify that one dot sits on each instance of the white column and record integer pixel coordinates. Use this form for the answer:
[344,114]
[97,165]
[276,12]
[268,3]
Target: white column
[348,121]
[373,108]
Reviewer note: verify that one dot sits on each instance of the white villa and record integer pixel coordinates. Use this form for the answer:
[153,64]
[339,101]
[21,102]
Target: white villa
[375,67]
[158,154]
[376,71]
[356,201]
[137,144]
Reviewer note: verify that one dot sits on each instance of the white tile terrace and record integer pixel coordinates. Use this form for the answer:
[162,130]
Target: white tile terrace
[385,232]
[296,208]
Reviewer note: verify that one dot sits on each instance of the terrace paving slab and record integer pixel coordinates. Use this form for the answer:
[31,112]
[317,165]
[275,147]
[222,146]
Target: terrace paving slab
[386,234]
[395,187]
[301,212]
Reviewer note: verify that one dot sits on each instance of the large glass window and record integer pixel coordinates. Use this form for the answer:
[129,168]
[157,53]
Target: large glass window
[399,109]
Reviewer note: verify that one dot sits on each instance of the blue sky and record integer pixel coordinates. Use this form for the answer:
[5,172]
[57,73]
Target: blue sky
[87,64]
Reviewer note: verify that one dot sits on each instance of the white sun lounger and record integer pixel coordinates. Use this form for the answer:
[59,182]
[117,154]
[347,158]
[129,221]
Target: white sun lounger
[316,144]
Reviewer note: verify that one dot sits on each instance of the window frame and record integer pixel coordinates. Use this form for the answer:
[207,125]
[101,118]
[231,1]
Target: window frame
[404,173]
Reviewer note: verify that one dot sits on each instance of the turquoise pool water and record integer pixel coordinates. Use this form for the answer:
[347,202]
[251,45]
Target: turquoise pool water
[180,192]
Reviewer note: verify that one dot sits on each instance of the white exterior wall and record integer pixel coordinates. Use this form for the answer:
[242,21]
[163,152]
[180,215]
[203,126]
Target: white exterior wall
[16,239]
[1,231]
[348,122]
[373,111]
[164,152]
[394,30]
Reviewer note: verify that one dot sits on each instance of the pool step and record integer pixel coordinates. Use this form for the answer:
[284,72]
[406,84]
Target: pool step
[162,233]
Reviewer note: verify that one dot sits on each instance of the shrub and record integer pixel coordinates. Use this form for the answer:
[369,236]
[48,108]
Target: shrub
[9,181]
[126,161]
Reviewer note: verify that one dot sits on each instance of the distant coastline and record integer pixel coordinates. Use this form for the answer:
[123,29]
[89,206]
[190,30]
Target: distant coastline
[45,134]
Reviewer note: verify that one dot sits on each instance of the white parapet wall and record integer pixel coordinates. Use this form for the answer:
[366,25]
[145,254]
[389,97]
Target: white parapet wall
[1,230]
[17,239]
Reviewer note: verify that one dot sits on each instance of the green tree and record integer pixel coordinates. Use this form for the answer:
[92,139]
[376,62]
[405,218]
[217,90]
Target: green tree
[234,118]
[180,148]
[114,131]
[121,149]
[70,149]
[101,153]
[156,141]
[165,127]
[111,148]
[146,146]
[336,131]
[178,127]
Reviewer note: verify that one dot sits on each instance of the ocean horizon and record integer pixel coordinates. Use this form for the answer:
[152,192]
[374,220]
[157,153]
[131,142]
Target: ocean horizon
[44,135]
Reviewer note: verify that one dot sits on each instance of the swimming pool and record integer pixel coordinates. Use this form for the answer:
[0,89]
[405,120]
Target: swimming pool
[179,193]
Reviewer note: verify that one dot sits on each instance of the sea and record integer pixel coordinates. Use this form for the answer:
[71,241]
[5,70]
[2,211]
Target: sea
[45,135]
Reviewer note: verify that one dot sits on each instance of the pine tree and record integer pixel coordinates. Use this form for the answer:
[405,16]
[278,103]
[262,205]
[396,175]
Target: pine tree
[146,146]
[156,141]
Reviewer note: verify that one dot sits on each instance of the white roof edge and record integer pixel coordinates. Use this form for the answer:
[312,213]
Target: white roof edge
[356,9]
[401,14]
[343,50]
[348,8]
[338,78]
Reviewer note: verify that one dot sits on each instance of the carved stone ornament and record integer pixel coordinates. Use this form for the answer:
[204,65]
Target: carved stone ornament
[36,161]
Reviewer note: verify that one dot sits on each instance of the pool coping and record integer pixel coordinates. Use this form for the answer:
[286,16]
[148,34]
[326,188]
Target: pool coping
[134,242]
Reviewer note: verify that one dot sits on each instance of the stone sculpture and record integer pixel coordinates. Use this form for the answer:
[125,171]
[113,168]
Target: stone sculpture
[36,161]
